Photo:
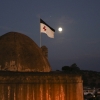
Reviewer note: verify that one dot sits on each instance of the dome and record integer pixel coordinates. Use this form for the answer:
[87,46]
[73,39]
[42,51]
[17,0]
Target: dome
[20,53]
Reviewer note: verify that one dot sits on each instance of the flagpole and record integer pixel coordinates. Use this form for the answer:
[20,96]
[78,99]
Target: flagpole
[40,35]
[40,39]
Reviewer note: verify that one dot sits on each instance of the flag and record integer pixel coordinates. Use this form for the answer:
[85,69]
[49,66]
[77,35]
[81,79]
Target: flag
[45,28]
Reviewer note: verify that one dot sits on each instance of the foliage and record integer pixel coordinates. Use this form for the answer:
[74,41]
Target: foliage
[73,67]
[65,68]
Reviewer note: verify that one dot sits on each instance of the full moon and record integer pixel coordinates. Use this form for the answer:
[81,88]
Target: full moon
[60,29]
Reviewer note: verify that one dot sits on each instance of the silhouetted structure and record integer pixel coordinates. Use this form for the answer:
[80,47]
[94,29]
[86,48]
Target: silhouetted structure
[26,74]
[45,51]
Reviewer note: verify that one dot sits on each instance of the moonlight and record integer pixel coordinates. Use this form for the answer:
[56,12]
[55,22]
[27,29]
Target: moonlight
[60,29]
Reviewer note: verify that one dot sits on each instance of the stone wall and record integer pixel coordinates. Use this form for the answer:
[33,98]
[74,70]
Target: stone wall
[40,86]
[45,51]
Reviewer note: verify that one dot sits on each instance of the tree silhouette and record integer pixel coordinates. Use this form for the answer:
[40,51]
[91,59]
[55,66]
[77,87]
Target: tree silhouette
[74,67]
[65,68]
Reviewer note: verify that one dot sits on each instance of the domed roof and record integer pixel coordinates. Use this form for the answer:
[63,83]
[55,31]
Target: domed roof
[20,53]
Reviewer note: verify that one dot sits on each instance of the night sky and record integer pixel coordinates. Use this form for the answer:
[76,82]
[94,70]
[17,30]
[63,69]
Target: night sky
[79,42]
